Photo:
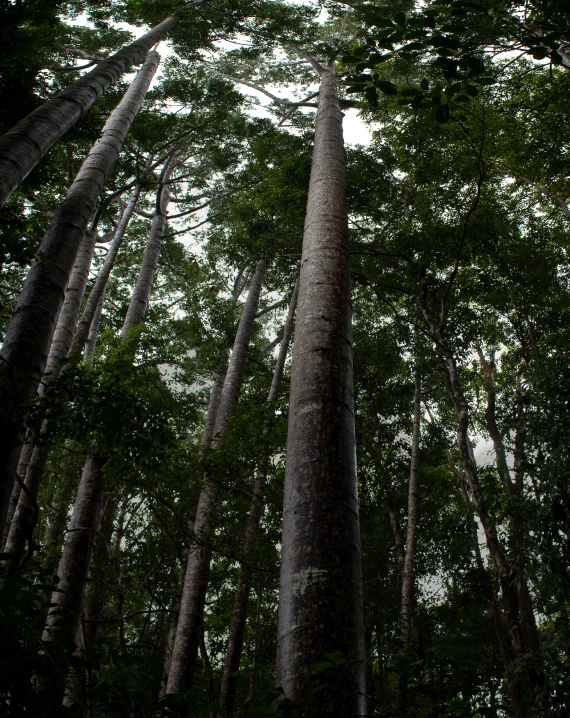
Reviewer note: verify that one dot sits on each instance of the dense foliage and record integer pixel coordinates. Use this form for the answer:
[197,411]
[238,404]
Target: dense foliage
[459,243]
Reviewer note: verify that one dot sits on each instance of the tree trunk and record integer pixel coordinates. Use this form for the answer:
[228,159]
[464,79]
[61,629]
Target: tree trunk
[320,597]
[239,614]
[408,573]
[22,147]
[94,329]
[29,335]
[94,304]
[514,489]
[141,295]
[22,524]
[495,612]
[190,618]
[56,528]
[67,321]
[23,462]
[494,544]
[74,564]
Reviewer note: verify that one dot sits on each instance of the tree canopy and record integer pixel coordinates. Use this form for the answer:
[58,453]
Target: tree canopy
[166,443]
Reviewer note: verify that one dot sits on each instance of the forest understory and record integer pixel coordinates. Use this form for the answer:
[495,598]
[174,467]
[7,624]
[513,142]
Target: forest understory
[285,376]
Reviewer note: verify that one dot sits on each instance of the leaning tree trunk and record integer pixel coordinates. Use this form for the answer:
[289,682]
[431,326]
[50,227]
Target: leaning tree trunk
[29,335]
[76,556]
[239,614]
[191,614]
[22,147]
[21,504]
[22,521]
[94,304]
[320,597]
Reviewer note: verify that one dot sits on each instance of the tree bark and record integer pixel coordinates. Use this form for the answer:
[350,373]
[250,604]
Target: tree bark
[320,598]
[239,613]
[29,335]
[94,304]
[141,295]
[190,617]
[64,615]
[22,147]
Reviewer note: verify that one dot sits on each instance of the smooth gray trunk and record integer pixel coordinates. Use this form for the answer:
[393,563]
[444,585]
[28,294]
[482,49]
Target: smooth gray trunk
[320,597]
[191,614]
[22,526]
[25,349]
[67,320]
[141,295]
[94,304]
[75,559]
[239,613]
[22,147]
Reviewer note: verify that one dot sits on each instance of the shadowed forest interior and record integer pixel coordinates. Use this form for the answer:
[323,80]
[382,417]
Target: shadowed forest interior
[284,378]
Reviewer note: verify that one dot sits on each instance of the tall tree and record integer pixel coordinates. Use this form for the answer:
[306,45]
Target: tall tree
[25,348]
[22,147]
[320,596]
[190,616]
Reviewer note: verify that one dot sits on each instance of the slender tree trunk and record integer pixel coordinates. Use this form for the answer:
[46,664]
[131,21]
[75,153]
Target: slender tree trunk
[94,329]
[94,304]
[22,526]
[190,618]
[513,490]
[69,314]
[22,147]
[320,597]
[239,614]
[94,603]
[53,538]
[399,543]
[141,295]
[495,611]
[408,605]
[494,544]
[408,573]
[23,462]
[74,564]
[29,335]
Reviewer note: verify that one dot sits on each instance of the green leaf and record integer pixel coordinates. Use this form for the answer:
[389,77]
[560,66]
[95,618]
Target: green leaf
[442,113]
[400,18]
[388,88]
[485,80]
[471,90]
[424,84]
